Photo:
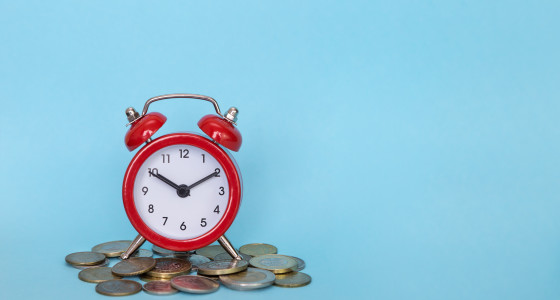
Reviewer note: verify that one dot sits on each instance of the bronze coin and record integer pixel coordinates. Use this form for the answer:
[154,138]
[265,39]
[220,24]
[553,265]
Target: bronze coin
[159,287]
[194,284]
[169,267]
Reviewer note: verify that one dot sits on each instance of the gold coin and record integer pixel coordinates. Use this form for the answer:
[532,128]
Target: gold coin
[103,264]
[85,258]
[167,267]
[118,287]
[210,251]
[275,263]
[222,267]
[258,249]
[134,266]
[293,279]
[147,278]
[97,274]
[112,249]
[226,256]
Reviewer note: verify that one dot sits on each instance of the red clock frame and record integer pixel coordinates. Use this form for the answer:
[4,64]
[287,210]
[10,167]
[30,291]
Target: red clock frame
[232,174]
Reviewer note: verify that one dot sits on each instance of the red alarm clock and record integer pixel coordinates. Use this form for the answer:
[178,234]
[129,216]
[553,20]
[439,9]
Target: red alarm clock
[182,191]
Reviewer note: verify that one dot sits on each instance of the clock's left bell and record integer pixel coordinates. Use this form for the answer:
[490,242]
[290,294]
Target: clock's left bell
[142,128]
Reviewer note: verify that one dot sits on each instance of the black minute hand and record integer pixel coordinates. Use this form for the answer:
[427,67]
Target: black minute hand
[164,179]
[203,180]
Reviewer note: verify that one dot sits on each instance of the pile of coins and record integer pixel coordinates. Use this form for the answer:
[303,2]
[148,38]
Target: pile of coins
[170,273]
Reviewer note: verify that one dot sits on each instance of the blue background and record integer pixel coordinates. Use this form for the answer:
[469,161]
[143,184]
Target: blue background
[404,149]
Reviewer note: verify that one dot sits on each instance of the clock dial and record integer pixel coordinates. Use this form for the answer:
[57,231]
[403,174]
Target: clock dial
[181,192]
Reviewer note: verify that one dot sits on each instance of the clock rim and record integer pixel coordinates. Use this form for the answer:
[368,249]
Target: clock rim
[230,169]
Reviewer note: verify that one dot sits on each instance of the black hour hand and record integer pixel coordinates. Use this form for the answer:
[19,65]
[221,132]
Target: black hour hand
[182,190]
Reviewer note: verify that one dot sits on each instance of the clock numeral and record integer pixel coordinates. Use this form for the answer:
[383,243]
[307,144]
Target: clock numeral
[154,171]
[203,222]
[203,158]
[151,208]
[166,158]
[217,209]
[222,192]
[183,226]
[164,221]
[145,190]
[217,172]
[183,153]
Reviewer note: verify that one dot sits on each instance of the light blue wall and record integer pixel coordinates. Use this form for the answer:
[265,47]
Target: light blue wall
[404,149]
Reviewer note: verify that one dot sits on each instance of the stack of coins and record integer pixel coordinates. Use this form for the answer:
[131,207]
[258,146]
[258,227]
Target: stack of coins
[169,272]
[166,268]
[84,260]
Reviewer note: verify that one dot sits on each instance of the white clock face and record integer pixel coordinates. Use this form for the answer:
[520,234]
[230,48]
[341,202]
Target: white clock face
[181,192]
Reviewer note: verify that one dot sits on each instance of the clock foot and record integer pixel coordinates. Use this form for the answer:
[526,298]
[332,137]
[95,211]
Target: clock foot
[228,247]
[137,243]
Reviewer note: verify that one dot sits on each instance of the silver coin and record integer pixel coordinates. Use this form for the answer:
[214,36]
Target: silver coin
[165,252]
[250,279]
[197,260]
[194,284]
[300,263]
[141,253]
[159,287]
[118,287]
[103,264]
[226,256]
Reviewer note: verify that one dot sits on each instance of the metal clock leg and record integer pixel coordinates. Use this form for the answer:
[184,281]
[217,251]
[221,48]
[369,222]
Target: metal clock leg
[137,243]
[228,247]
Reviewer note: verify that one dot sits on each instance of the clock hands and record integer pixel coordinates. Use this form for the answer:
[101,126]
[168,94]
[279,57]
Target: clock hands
[183,190]
[164,179]
[215,174]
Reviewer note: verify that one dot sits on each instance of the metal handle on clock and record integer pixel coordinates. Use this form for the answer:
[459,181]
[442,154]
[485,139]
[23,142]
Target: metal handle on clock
[187,96]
